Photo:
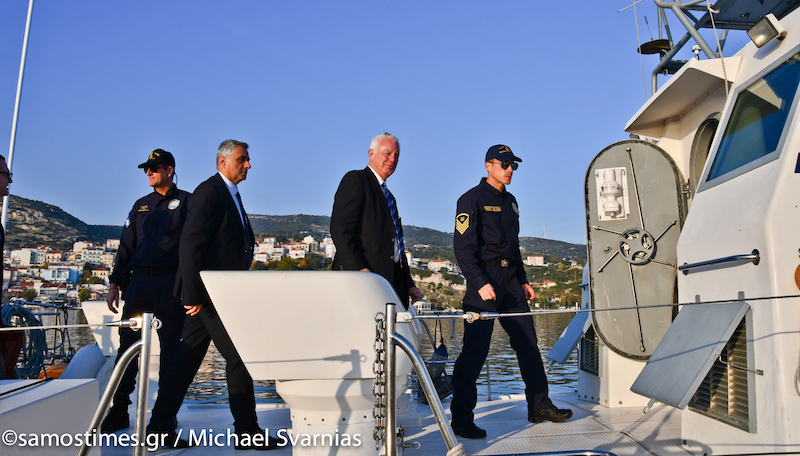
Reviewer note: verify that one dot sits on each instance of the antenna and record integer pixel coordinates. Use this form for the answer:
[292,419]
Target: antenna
[638,41]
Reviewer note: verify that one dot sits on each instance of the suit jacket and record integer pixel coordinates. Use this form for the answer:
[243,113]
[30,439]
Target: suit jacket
[213,238]
[363,231]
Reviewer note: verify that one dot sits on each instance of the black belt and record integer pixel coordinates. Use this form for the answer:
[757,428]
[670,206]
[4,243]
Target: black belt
[150,272]
[502,262]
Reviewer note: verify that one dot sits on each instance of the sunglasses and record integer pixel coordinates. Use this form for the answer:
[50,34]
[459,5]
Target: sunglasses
[10,175]
[155,169]
[506,163]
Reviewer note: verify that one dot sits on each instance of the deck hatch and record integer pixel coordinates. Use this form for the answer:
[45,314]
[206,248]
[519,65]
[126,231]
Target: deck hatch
[688,351]
[563,347]
[723,394]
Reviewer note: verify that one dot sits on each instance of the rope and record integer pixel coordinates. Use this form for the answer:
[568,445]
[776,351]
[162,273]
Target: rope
[41,327]
[467,316]
[457,450]
[36,347]
[719,47]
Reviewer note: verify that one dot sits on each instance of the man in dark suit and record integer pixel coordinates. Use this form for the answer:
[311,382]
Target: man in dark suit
[216,235]
[365,226]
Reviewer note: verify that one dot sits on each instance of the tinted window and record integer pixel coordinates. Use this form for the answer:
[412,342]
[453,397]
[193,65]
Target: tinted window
[757,120]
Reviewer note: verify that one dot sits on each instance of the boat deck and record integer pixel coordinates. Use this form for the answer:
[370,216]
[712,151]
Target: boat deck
[622,431]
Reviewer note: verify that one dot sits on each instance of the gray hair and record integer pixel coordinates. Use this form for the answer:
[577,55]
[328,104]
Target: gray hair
[227,147]
[381,136]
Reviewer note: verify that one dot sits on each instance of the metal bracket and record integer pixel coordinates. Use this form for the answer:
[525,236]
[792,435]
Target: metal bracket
[742,368]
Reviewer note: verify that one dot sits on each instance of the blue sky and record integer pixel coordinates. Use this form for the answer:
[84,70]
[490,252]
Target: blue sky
[307,84]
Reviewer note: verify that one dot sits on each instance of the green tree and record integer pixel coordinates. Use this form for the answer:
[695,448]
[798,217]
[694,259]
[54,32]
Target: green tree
[92,280]
[84,294]
[29,294]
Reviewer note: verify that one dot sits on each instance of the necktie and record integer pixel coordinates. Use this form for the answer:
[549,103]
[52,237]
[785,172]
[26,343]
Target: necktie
[393,211]
[244,218]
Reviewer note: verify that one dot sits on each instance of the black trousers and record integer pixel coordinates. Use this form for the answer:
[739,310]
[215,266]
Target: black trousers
[149,294]
[199,331]
[400,285]
[478,336]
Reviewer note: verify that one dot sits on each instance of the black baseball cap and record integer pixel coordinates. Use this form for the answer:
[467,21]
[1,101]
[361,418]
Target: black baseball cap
[158,157]
[501,153]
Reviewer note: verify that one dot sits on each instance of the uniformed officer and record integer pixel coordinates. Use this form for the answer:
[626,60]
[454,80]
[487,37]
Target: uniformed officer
[148,250]
[486,245]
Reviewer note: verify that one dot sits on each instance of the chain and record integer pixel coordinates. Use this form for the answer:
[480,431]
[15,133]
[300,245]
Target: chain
[379,387]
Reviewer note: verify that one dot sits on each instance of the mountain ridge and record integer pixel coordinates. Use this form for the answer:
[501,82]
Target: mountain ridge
[33,223]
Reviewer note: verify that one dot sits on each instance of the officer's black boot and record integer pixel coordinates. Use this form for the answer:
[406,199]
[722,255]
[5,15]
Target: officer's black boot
[116,419]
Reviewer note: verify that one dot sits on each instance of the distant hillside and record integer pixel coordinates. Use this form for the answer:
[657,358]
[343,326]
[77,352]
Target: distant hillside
[34,223]
[559,249]
[286,225]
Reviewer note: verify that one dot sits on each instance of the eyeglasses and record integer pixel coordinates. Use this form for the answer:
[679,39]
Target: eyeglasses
[155,169]
[6,173]
[506,163]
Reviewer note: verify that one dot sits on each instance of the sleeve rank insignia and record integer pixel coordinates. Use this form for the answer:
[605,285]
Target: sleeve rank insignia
[462,222]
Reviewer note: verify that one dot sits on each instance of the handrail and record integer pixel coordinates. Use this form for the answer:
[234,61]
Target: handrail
[754,257]
[392,341]
[141,347]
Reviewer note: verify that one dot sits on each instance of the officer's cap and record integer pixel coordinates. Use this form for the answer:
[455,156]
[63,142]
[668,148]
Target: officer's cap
[501,153]
[159,157]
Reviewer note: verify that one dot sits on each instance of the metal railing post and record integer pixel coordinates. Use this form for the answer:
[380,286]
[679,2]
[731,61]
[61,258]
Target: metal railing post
[108,394]
[391,381]
[144,380]
[140,346]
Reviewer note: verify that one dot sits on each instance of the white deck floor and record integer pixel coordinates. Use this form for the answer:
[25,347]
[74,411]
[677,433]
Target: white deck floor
[622,431]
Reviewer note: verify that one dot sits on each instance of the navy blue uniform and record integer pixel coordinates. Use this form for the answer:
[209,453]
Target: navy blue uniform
[486,245]
[149,247]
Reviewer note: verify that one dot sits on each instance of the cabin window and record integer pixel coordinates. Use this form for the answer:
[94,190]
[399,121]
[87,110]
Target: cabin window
[590,352]
[723,394]
[756,122]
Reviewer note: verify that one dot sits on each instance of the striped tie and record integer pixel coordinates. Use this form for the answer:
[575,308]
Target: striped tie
[393,211]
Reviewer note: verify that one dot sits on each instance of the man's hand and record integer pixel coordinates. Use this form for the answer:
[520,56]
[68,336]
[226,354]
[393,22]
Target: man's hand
[365,270]
[487,292]
[528,290]
[113,297]
[415,294]
[193,310]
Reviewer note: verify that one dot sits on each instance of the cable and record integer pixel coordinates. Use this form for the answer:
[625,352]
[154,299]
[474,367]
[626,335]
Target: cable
[36,347]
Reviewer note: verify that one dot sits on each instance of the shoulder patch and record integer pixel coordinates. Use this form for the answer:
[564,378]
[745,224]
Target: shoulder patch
[492,208]
[127,222]
[174,204]
[462,222]
[515,207]
[143,208]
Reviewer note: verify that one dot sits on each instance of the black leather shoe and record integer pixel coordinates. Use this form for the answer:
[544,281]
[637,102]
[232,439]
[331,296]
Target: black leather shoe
[115,420]
[170,439]
[468,431]
[256,440]
[553,414]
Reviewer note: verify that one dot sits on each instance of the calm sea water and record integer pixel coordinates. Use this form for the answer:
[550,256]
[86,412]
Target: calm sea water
[210,387]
